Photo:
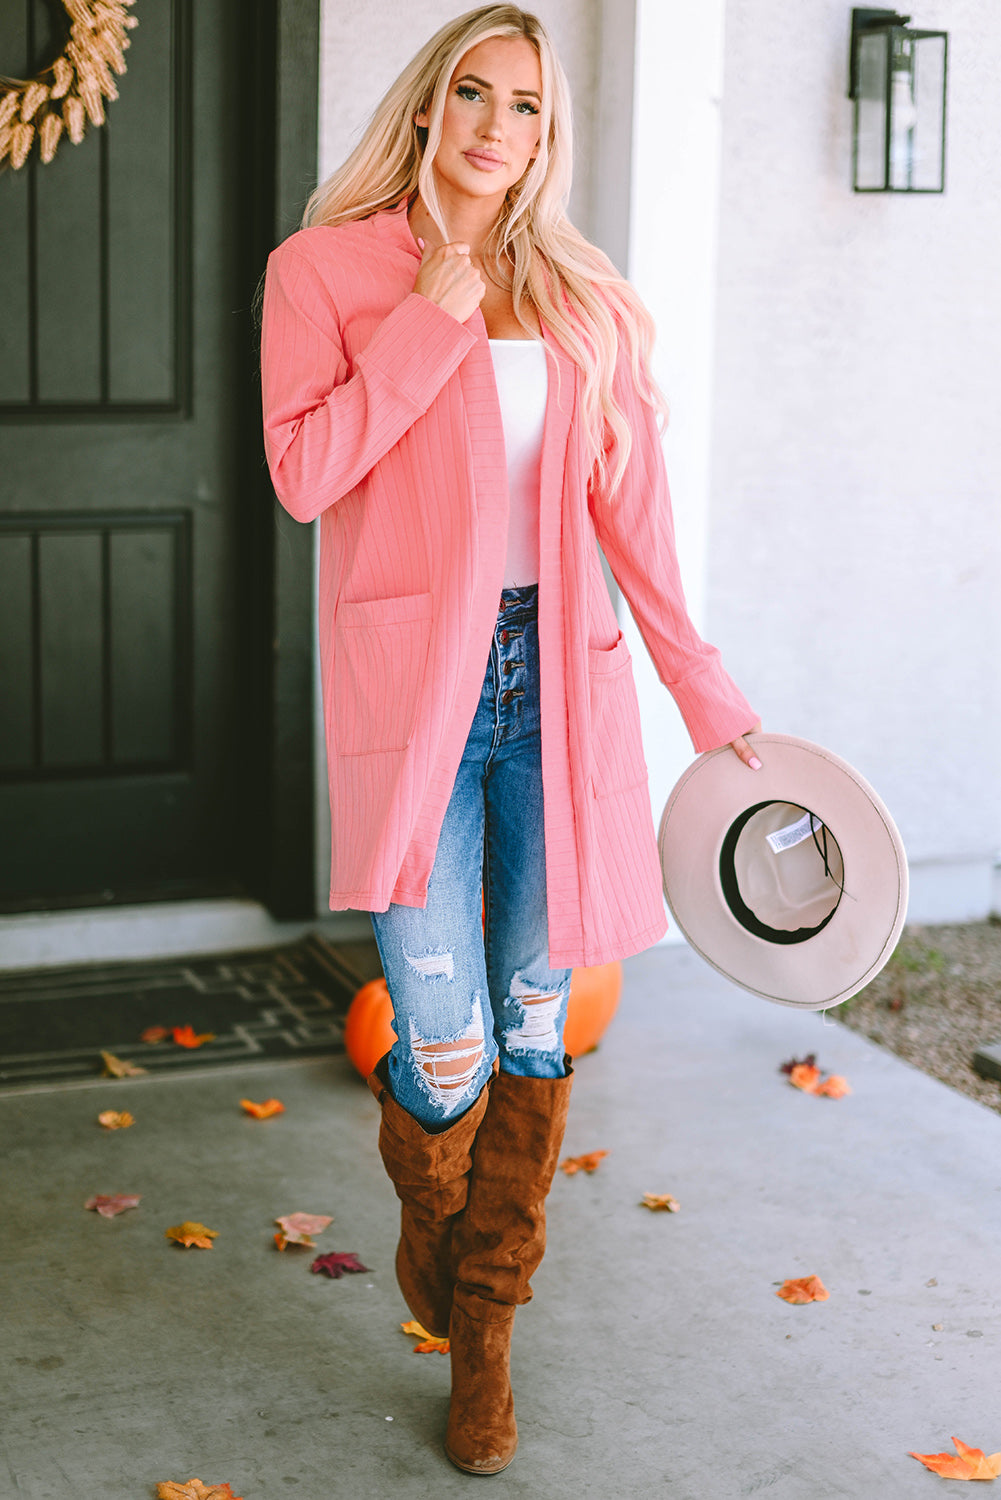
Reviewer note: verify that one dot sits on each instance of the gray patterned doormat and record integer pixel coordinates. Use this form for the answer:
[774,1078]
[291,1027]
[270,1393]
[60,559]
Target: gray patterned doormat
[286,1002]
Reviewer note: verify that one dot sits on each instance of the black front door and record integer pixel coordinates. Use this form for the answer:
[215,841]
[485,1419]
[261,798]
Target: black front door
[135,610]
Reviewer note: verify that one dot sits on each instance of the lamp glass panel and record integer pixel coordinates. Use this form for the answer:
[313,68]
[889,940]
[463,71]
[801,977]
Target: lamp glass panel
[928,164]
[903,112]
[871,112]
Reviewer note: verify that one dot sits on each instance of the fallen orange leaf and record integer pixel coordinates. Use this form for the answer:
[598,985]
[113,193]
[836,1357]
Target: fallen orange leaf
[805,1076]
[296,1229]
[586,1163]
[191,1233]
[803,1289]
[113,1119]
[660,1201]
[115,1067]
[185,1036]
[971,1463]
[265,1110]
[193,1490]
[154,1034]
[429,1344]
[834,1087]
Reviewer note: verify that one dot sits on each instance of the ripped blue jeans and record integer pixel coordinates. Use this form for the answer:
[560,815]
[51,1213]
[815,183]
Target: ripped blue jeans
[464,994]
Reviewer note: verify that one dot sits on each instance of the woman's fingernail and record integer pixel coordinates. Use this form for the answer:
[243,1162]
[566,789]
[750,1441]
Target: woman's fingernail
[420,242]
[754,763]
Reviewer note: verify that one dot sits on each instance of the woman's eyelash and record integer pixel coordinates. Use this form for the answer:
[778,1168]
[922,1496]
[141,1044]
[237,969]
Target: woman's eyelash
[466,91]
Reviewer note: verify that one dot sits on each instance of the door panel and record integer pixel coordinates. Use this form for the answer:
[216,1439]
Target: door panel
[126,433]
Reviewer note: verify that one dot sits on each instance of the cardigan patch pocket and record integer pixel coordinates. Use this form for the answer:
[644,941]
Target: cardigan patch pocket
[617,763]
[380,655]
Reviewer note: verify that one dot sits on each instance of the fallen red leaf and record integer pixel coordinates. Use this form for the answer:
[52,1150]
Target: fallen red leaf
[169,1489]
[335,1263]
[114,1119]
[185,1036]
[154,1034]
[803,1289]
[265,1110]
[428,1344]
[191,1233]
[116,1067]
[971,1463]
[110,1204]
[586,1163]
[296,1229]
[662,1202]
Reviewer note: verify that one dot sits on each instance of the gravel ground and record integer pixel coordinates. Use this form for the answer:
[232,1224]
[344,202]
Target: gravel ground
[937,1000]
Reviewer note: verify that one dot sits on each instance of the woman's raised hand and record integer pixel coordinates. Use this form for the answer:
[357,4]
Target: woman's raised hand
[448,278]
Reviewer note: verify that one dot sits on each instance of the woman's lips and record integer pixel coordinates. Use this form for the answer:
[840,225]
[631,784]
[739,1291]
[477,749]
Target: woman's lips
[484,160]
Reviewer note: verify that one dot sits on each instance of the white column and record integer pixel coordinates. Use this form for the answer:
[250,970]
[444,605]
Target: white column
[672,263]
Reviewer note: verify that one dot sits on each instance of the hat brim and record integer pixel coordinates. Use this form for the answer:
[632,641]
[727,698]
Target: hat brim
[847,952]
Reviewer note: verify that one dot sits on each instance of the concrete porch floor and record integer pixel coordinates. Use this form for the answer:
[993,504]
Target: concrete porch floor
[655,1359]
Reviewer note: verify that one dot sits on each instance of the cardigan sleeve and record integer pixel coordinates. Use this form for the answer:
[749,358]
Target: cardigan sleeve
[636,532]
[323,432]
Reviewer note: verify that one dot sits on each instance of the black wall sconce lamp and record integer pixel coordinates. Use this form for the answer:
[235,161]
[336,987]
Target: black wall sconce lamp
[897,79]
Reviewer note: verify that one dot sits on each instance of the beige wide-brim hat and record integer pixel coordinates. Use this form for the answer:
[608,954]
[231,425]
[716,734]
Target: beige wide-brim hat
[791,880]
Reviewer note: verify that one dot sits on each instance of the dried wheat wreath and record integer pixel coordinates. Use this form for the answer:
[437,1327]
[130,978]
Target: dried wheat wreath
[73,88]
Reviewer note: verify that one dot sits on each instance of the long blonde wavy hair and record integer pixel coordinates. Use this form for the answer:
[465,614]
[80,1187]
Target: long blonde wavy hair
[576,290]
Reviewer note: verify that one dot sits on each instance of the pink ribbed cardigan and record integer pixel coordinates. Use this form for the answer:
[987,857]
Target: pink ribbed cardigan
[381,417]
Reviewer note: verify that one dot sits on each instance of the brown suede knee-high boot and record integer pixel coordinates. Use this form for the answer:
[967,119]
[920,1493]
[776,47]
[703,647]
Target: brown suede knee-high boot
[430,1173]
[498,1243]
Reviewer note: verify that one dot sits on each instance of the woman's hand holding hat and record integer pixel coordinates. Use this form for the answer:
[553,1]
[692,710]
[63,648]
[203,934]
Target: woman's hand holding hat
[741,748]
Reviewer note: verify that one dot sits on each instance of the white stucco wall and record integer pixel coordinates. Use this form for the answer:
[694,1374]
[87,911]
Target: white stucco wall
[854,565]
[673,231]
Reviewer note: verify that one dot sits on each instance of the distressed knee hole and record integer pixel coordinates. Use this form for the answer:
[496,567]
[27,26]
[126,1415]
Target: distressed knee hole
[447,1070]
[432,965]
[538,1012]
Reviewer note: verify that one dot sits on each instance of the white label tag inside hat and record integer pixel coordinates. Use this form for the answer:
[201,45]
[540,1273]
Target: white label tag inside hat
[795,833]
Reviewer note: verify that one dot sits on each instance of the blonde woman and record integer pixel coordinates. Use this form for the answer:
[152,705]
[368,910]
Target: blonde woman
[457,383]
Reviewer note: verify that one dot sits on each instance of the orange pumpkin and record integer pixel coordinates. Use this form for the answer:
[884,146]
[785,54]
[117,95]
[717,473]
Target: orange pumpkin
[594,999]
[368,1029]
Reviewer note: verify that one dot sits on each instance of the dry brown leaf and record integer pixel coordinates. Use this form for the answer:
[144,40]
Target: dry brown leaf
[586,1163]
[115,1119]
[801,1289]
[660,1202]
[967,1463]
[110,1204]
[169,1489]
[191,1233]
[154,1034]
[116,1067]
[265,1110]
[428,1343]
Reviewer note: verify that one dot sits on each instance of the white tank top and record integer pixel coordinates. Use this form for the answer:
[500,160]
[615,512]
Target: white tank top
[521,369]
